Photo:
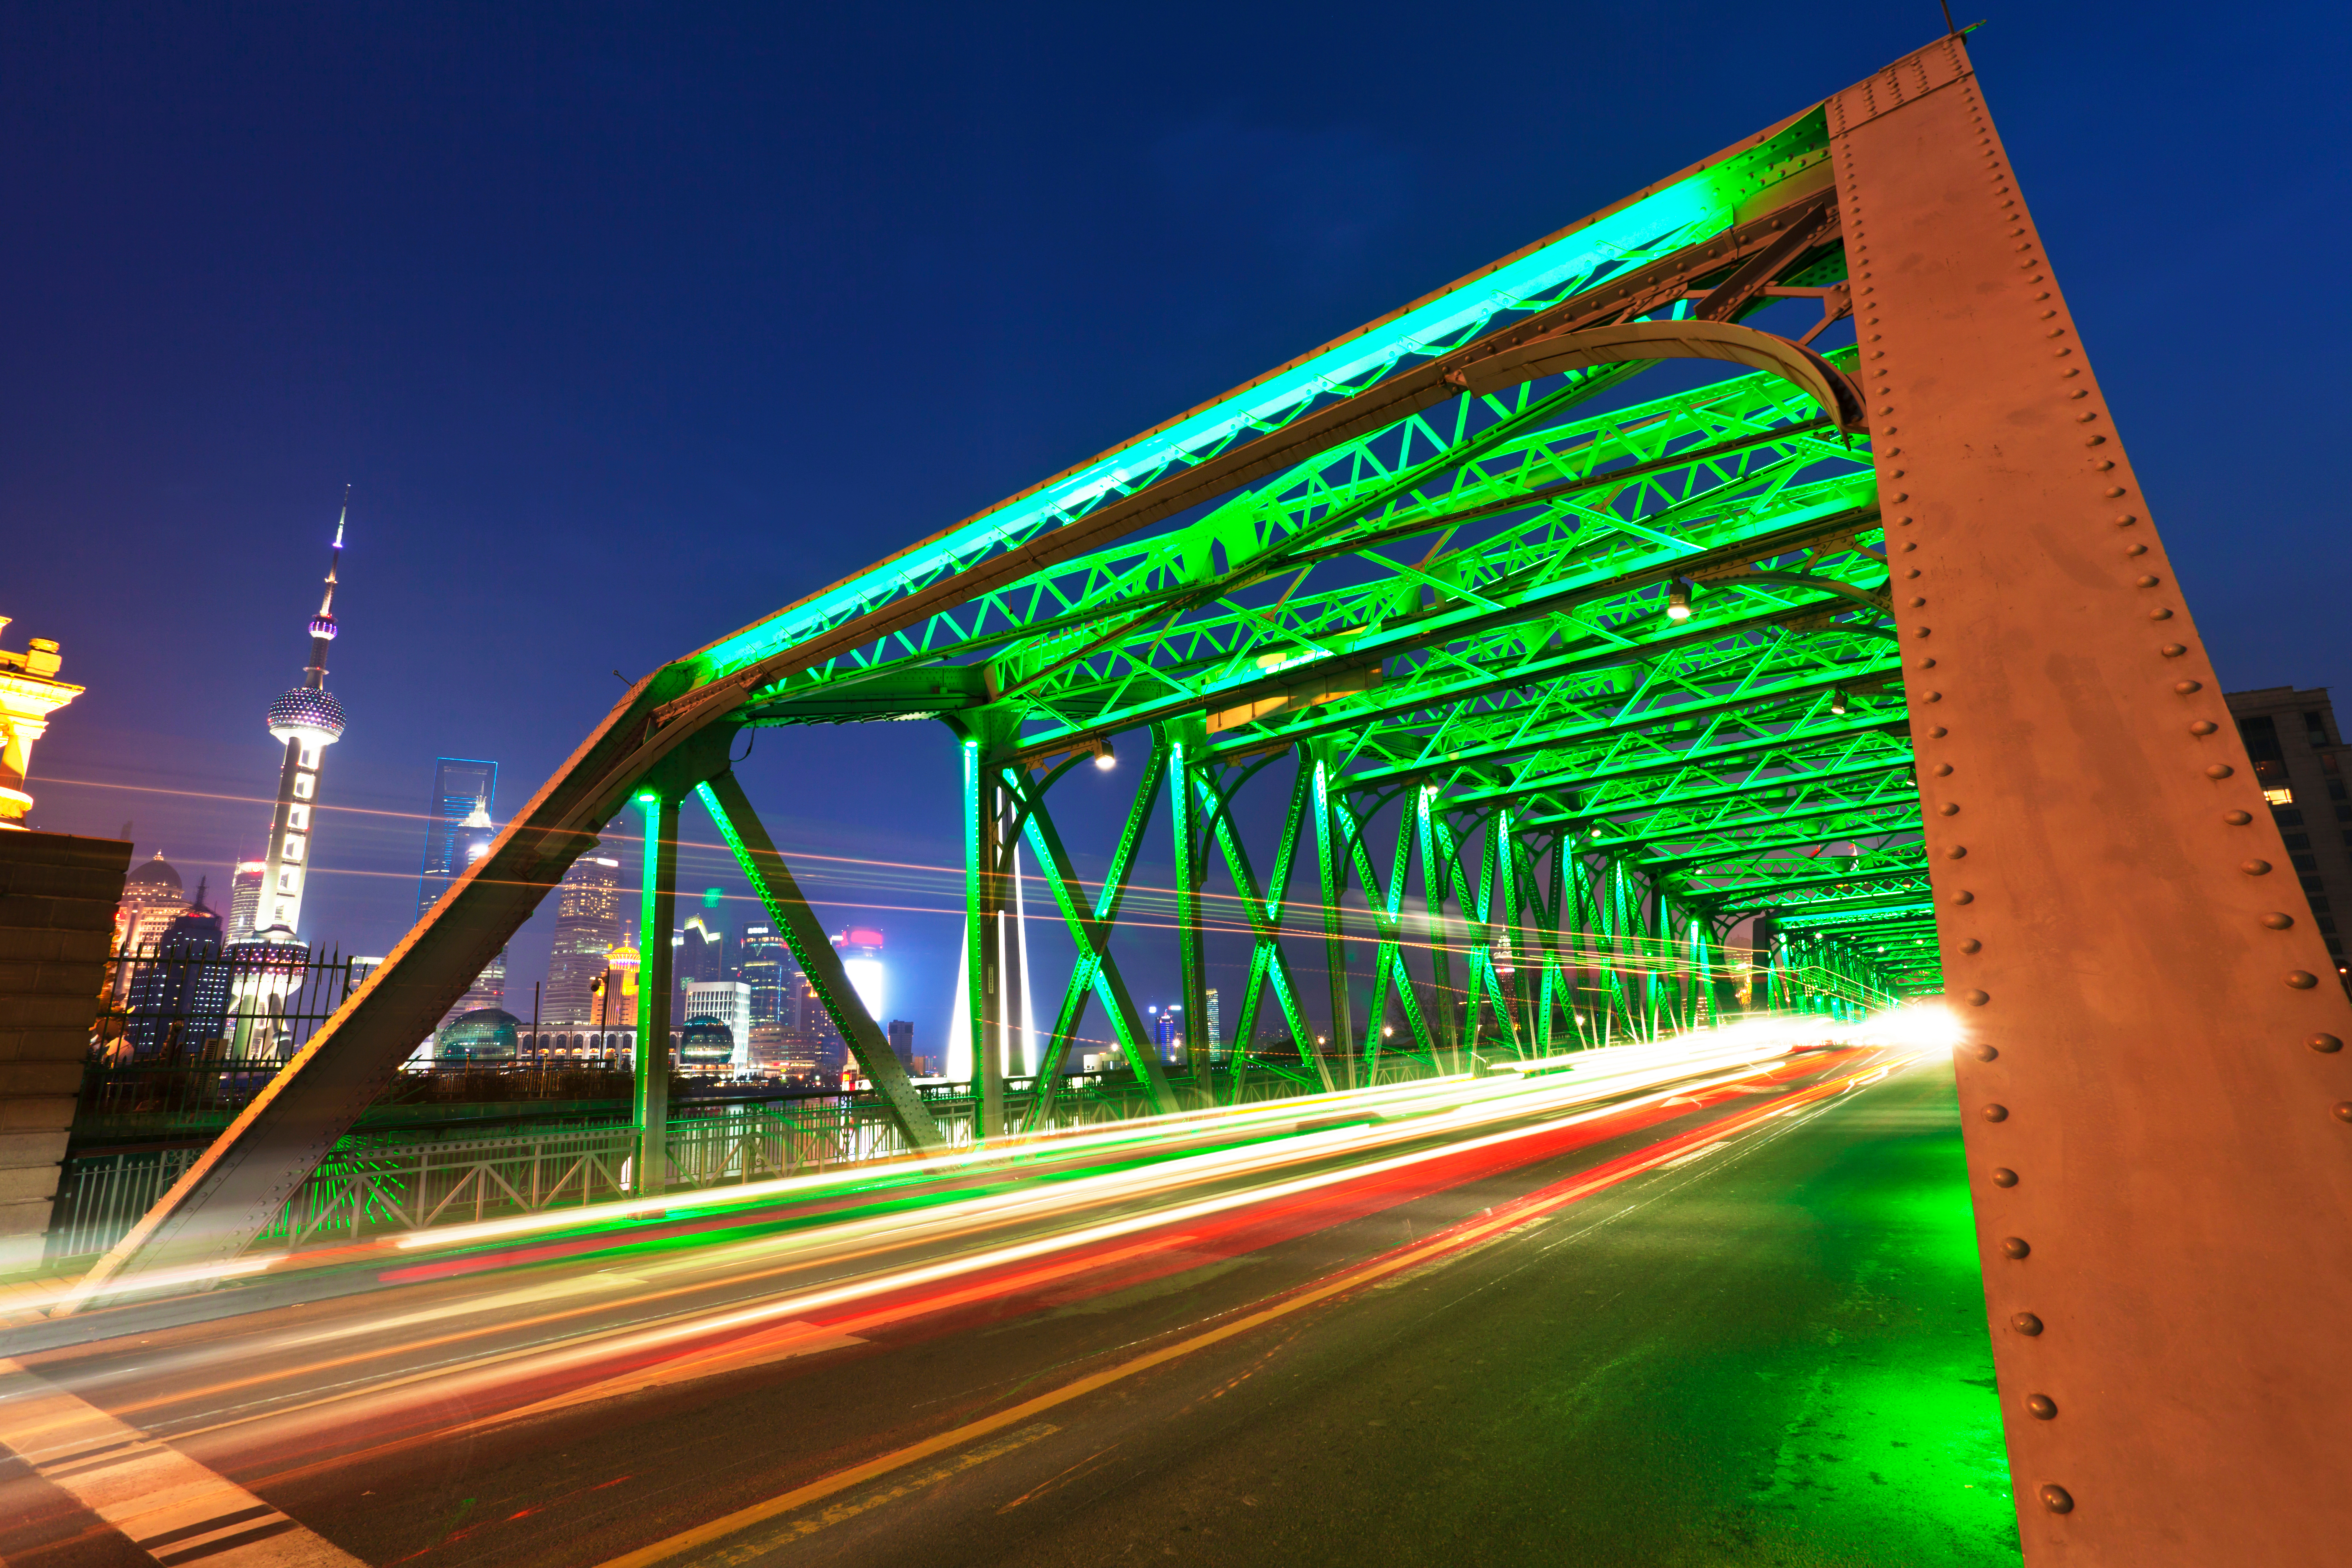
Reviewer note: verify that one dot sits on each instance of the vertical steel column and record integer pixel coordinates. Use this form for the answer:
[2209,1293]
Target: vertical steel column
[656,912]
[1434,884]
[1331,868]
[2158,1109]
[983,911]
[1181,745]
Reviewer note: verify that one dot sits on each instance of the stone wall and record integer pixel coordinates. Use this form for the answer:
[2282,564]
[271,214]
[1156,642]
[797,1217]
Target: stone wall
[58,895]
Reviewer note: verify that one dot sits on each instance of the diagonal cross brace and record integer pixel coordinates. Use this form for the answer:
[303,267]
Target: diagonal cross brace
[765,870]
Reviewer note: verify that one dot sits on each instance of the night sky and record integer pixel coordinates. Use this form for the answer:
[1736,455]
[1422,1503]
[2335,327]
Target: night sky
[628,325]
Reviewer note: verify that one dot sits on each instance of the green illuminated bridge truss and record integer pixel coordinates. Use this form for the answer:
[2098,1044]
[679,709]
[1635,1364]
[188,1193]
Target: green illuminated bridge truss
[1753,565]
[1548,687]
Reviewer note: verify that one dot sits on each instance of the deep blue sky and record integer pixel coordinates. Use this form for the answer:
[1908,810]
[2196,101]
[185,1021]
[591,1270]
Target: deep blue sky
[631,324]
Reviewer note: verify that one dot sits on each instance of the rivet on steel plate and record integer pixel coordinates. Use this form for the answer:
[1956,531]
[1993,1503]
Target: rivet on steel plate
[2013,1247]
[2137,550]
[2144,580]
[2159,614]
[2025,1323]
[1931,697]
[2236,818]
[2126,520]
[2220,771]
[2172,651]
[1996,1114]
[1976,999]
[1938,732]
[2278,920]
[1971,945]
[2302,979]
[1964,897]
[2344,1110]
[2005,1177]
[1922,631]
[2057,1500]
[1957,852]
[2114,490]
[1918,604]
[2326,1045]
[2256,868]
[1943,770]
[1983,1050]
[2041,1407]
[2203,726]
[1927,664]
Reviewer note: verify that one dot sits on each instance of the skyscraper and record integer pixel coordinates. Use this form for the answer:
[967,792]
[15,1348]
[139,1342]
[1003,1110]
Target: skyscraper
[305,720]
[245,898]
[767,967]
[179,998]
[587,926]
[2300,762]
[463,788]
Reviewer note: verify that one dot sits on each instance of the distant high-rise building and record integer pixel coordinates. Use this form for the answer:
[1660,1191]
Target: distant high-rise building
[826,1050]
[902,1041]
[457,832]
[766,966]
[587,926]
[462,787]
[725,1002]
[1216,1031]
[179,998]
[617,1001]
[245,898]
[861,959]
[152,898]
[305,720]
[698,948]
[2301,764]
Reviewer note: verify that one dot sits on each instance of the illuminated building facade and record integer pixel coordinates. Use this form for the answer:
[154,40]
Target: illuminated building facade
[766,965]
[305,720]
[179,998]
[727,1002]
[29,692]
[587,926]
[152,898]
[2302,766]
[463,788]
[245,898]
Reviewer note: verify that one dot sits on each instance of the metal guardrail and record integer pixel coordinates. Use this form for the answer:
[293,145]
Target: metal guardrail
[379,1184]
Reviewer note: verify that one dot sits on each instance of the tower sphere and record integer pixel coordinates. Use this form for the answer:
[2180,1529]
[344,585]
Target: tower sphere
[323,626]
[305,714]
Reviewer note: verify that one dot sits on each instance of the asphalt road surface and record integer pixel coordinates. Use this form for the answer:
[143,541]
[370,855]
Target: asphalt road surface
[1742,1325]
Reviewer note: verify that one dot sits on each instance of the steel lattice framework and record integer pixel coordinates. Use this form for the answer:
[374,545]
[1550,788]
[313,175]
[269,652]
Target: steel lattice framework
[1562,684]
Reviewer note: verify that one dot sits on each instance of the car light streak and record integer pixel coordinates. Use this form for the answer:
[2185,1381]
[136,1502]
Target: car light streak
[1697,1052]
[483,1374]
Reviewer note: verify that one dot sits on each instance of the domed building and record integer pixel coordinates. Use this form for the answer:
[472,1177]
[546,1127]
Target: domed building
[152,898]
[483,1037]
[706,1045]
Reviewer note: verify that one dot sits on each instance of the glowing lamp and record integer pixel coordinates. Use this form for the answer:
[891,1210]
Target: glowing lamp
[1678,600]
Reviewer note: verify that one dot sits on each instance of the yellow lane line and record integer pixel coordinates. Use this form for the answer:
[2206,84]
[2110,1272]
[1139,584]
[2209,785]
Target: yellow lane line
[842,1480]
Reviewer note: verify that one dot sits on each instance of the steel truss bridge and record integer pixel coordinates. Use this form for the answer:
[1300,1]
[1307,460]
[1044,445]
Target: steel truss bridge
[1878,646]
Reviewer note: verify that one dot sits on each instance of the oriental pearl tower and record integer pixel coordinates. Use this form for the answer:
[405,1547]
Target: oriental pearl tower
[306,720]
